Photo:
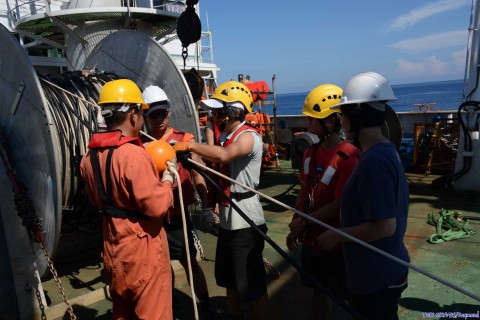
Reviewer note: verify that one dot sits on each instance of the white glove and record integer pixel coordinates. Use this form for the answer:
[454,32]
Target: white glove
[167,176]
[168,173]
[173,164]
[207,219]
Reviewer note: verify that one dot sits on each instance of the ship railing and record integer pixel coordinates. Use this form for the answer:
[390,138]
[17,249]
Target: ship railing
[206,47]
[171,6]
[202,52]
[24,9]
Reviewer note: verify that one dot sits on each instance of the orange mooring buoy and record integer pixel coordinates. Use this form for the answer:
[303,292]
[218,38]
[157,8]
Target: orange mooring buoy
[161,152]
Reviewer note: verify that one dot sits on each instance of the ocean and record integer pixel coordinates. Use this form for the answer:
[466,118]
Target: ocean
[446,95]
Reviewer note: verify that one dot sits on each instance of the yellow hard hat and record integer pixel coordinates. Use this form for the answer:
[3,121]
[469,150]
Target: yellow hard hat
[321,99]
[233,91]
[121,91]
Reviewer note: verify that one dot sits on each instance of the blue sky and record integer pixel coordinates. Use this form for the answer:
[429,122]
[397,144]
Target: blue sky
[307,43]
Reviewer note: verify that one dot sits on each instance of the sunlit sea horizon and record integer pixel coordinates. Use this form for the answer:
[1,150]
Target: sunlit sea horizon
[446,95]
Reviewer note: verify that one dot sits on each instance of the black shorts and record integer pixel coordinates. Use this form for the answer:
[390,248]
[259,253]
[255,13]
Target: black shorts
[328,270]
[176,240]
[239,262]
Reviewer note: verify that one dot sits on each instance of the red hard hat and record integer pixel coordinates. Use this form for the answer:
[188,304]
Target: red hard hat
[161,152]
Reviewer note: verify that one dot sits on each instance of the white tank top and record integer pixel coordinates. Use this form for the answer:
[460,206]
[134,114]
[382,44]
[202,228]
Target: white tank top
[245,170]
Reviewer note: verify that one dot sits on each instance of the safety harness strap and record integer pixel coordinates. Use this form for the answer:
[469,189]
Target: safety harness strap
[109,208]
[242,195]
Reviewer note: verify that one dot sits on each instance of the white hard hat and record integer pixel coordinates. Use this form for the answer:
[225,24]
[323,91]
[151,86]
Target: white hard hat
[367,87]
[154,94]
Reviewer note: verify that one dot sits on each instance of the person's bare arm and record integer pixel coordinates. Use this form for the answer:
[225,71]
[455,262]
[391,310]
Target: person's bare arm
[241,147]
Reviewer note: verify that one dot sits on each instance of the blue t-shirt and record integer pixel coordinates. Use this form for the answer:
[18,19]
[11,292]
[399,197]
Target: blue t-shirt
[377,190]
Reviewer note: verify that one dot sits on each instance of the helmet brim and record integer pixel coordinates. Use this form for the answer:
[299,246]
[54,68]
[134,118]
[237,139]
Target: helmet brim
[358,101]
[210,104]
[155,107]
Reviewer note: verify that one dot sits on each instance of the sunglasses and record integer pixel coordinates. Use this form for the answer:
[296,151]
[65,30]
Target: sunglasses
[219,113]
[158,114]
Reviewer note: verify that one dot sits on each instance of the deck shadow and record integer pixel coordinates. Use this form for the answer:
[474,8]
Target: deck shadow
[82,312]
[218,303]
[424,191]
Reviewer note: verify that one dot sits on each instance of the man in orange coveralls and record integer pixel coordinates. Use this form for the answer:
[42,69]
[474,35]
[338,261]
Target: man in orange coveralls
[122,182]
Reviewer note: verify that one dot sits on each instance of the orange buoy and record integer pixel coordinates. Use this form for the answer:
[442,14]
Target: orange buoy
[259,90]
[262,90]
[252,86]
[161,152]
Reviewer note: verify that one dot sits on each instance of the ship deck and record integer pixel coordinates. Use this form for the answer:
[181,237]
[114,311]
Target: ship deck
[458,261]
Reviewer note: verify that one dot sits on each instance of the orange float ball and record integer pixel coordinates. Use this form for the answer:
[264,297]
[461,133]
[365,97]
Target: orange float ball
[161,152]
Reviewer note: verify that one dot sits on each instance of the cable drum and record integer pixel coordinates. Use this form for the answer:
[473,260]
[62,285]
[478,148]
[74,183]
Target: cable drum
[72,118]
[31,149]
[72,100]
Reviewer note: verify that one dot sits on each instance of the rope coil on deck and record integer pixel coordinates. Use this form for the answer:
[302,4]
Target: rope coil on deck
[448,220]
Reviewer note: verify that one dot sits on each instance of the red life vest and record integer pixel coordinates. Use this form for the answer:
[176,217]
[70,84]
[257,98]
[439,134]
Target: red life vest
[216,132]
[224,168]
[323,193]
[173,135]
[111,139]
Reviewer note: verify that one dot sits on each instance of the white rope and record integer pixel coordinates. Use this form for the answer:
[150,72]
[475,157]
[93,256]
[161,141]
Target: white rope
[148,136]
[173,170]
[346,235]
